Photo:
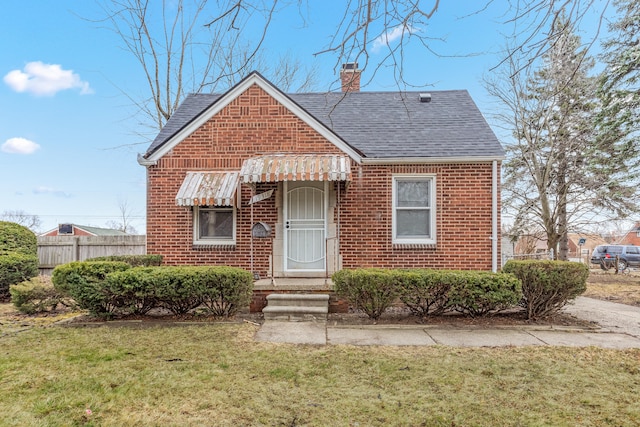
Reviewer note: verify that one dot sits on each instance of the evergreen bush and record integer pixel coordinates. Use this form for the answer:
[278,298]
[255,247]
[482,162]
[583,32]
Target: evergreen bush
[133,291]
[225,290]
[84,282]
[478,293]
[17,238]
[18,256]
[36,295]
[547,286]
[16,267]
[425,292]
[133,260]
[371,290]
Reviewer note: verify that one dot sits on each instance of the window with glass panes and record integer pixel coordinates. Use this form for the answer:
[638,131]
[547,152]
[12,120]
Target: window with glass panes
[414,209]
[214,225]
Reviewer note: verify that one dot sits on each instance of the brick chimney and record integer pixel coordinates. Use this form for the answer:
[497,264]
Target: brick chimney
[350,77]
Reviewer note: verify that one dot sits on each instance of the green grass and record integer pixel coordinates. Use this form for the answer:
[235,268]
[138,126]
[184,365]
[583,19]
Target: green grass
[217,375]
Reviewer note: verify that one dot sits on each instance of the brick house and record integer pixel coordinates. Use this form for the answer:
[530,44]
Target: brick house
[631,237]
[302,185]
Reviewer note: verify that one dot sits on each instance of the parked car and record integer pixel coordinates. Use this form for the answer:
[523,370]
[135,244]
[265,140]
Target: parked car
[605,255]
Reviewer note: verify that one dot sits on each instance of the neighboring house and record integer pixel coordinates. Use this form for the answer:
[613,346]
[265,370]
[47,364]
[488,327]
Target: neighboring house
[632,237]
[537,244]
[590,242]
[82,230]
[73,242]
[333,180]
[531,244]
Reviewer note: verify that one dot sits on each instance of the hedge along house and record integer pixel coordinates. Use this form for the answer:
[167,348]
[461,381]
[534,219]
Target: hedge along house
[305,184]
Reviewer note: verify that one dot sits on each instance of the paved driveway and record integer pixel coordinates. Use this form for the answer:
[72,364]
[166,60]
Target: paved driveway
[620,318]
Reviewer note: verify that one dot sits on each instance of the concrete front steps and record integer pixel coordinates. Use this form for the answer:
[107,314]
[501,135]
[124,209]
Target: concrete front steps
[296,307]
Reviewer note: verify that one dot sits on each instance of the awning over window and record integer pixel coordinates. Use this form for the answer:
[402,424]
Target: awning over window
[293,167]
[208,189]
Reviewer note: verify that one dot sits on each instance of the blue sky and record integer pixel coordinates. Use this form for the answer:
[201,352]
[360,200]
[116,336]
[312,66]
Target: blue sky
[63,111]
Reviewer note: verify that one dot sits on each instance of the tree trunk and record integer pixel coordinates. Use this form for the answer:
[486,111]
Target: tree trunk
[563,242]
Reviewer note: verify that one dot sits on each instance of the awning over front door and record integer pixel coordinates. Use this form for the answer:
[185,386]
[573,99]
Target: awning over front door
[296,167]
[208,189]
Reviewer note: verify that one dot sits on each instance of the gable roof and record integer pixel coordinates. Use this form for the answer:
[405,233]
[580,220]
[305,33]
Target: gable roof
[96,231]
[369,126]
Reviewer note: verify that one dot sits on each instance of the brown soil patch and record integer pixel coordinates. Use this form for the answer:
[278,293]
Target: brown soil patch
[621,288]
[393,316]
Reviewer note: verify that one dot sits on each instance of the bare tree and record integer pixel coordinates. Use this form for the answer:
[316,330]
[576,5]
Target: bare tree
[369,25]
[32,222]
[198,45]
[187,46]
[124,222]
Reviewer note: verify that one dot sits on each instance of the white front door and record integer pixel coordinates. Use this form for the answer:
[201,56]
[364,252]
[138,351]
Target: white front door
[305,226]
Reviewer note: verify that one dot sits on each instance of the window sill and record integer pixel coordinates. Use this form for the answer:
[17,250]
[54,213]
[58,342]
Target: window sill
[413,246]
[214,245]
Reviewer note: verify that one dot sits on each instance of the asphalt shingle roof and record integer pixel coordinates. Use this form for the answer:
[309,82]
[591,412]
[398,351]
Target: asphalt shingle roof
[381,124]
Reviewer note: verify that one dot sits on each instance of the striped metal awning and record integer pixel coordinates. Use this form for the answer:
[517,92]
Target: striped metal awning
[208,189]
[296,167]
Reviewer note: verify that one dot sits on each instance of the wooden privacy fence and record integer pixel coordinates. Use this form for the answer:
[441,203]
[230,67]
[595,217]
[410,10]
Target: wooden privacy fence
[56,250]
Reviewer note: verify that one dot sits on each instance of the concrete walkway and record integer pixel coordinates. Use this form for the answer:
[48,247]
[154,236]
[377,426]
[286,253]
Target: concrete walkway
[620,318]
[620,329]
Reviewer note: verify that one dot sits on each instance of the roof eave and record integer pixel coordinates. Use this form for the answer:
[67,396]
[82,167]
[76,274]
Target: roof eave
[428,160]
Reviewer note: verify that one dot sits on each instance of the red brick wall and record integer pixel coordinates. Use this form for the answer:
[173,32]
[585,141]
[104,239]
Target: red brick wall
[256,124]
[463,219]
[252,125]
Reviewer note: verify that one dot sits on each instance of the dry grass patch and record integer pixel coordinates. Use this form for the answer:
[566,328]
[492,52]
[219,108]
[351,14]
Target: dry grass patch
[216,375]
[621,288]
[11,320]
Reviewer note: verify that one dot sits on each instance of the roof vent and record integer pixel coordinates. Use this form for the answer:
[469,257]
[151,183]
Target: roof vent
[65,229]
[425,97]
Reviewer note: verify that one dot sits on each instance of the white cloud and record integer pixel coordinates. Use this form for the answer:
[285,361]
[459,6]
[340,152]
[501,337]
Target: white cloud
[45,80]
[19,146]
[48,190]
[390,36]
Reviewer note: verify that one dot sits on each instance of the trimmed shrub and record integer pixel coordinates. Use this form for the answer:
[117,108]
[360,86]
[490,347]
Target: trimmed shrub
[225,290]
[371,290]
[133,260]
[17,238]
[547,286]
[105,288]
[85,283]
[477,293]
[16,267]
[132,291]
[18,256]
[177,288]
[425,292]
[36,295]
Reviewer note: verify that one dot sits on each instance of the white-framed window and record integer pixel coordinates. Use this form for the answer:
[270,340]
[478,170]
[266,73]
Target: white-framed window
[214,225]
[414,209]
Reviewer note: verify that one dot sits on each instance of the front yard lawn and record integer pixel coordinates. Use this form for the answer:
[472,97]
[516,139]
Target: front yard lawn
[621,288]
[215,374]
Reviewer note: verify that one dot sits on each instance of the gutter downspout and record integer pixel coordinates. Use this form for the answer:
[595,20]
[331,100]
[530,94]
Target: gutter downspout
[494,216]
[146,163]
